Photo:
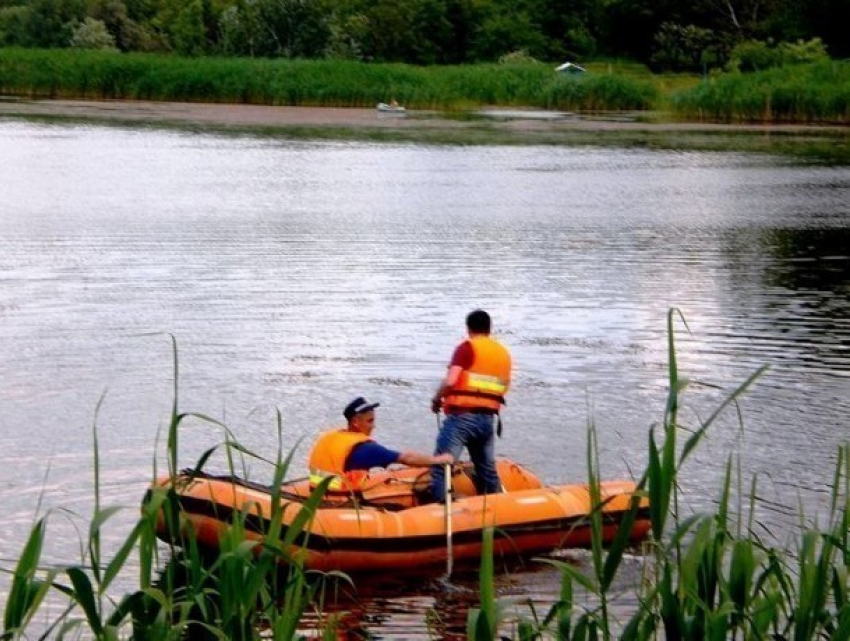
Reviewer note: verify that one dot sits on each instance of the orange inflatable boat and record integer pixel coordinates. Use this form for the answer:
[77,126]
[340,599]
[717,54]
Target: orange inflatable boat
[390,524]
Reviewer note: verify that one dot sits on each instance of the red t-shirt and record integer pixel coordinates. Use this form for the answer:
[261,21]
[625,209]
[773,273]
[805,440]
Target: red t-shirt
[463,356]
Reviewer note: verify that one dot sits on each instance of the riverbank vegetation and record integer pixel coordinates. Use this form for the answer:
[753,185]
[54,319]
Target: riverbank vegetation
[245,591]
[664,34]
[97,74]
[440,54]
[815,92]
[714,575]
[707,575]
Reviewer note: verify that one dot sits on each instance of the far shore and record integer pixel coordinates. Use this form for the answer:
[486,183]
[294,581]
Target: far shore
[495,125]
[242,115]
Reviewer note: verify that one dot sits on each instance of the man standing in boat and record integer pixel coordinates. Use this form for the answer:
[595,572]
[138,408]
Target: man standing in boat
[347,454]
[471,395]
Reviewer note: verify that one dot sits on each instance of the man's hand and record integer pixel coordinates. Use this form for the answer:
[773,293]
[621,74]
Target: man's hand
[442,459]
[436,404]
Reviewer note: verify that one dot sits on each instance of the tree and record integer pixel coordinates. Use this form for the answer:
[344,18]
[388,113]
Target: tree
[49,23]
[239,30]
[390,36]
[827,19]
[187,31]
[682,47]
[629,26]
[435,33]
[275,28]
[294,28]
[740,18]
[128,33]
[13,21]
[505,29]
[348,33]
[92,34]
[756,55]
[571,27]
[461,15]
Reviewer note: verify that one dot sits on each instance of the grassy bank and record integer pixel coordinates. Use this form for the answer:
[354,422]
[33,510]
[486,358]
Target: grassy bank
[813,93]
[94,74]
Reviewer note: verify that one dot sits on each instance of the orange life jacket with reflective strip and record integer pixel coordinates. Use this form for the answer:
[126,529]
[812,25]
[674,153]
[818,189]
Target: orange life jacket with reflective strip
[485,383]
[328,456]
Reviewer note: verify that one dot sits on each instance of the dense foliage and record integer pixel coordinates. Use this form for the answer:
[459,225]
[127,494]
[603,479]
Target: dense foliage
[807,93]
[98,75]
[664,33]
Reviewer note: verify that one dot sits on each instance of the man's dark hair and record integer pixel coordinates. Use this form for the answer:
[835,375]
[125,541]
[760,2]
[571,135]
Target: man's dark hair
[478,322]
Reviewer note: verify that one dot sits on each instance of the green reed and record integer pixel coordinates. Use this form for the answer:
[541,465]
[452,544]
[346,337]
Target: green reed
[482,623]
[234,593]
[599,93]
[809,93]
[707,576]
[70,73]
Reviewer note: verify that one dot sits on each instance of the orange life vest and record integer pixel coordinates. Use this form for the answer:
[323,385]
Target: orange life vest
[328,456]
[485,383]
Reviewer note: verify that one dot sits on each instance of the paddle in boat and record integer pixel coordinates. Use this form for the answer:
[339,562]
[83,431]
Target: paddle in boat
[392,524]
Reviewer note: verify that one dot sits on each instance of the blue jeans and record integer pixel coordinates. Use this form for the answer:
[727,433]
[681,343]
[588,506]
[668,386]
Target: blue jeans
[475,432]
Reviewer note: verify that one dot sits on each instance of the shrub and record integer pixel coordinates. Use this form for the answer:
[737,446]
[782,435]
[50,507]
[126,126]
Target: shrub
[758,55]
[92,34]
[518,57]
[817,92]
[682,47]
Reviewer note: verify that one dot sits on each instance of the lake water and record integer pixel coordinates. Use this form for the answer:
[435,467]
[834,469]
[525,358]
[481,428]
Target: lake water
[297,275]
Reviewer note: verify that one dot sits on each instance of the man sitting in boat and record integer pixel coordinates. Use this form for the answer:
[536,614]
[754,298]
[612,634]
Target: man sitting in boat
[347,454]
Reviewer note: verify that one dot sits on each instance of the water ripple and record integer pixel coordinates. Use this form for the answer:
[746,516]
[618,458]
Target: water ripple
[298,275]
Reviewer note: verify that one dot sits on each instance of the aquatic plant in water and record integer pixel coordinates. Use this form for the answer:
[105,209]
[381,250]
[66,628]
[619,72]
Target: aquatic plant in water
[706,576]
[242,592]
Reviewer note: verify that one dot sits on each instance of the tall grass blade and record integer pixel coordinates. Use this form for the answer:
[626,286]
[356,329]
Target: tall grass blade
[730,399]
[481,622]
[488,590]
[565,607]
[597,533]
[174,423]
[621,541]
[24,595]
[120,559]
[659,486]
[84,595]
[94,529]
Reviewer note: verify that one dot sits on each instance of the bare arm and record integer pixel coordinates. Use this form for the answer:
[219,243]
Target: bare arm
[417,459]
[448,382]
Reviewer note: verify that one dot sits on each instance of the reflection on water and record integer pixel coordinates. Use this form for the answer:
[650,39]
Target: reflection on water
[298,275]
[434,606]
[813,260]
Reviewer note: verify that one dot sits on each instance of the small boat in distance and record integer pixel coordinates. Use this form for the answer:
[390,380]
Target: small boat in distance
[391,107]
[391,524]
